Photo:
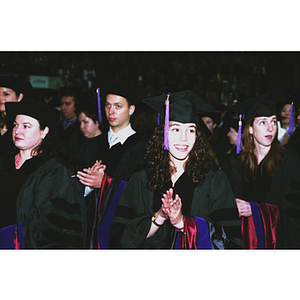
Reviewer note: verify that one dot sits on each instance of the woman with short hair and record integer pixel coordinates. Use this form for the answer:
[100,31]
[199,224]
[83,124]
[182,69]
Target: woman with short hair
[40,200]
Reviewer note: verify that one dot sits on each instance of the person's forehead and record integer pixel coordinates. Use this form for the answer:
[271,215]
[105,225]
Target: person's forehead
[112,98]
[207,118]
[26,119]
[6,88]
[175,123]
[83,116]
[66,99]
[265,118]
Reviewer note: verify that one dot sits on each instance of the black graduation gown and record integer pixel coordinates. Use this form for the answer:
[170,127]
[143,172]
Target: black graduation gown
[121,162]
[213,201]
[87,154]
[282,190]
[47,199]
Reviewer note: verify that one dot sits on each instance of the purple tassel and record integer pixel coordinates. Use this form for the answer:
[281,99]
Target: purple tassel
[158,119]
[99,105]
[238,144]
[291,125]
[166,132]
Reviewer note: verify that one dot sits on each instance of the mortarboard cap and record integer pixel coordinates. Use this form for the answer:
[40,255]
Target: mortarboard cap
[122,88]
[183,107]
[16,84]
[259,106]
[44,113]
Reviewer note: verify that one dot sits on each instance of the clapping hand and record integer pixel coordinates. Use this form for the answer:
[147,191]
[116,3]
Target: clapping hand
[92,177]
[244,208]
[172,208]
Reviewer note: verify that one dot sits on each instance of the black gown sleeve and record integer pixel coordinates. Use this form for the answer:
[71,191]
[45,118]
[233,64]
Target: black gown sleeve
[132,220]
[52,209]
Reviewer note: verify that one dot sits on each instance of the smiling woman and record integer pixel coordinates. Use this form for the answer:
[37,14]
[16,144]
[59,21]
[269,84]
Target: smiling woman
[182,137]
[181,200]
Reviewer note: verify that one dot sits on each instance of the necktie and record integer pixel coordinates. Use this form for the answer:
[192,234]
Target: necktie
[114,140]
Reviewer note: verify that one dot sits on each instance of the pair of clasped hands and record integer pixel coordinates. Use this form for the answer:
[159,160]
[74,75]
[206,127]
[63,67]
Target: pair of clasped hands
[92,177]
[171,209]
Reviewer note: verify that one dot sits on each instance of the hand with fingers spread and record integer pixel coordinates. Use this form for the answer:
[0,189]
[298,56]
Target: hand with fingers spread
[244,208]
[92,177]
[172,208]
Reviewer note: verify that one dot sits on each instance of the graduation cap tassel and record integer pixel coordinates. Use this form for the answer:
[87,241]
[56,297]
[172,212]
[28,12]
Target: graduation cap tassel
[166,131]
[158,118]
[238,144]
[99,105]
[291,125]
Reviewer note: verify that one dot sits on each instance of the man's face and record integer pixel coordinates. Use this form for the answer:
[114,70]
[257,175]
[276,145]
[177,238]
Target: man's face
[68,108]
[118,112]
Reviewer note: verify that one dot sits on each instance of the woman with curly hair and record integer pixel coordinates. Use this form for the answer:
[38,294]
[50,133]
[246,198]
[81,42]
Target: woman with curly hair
[265,180]
[181,200]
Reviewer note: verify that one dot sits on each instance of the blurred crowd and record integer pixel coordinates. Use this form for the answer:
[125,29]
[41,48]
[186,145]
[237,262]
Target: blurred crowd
[215,76]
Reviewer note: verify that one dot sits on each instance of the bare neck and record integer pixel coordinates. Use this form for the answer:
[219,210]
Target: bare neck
[261,152]
[23,156]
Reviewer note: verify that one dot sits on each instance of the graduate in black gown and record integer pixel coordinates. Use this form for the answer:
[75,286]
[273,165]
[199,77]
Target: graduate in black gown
[121,149]
[39,194]
[265,180]
[180,200]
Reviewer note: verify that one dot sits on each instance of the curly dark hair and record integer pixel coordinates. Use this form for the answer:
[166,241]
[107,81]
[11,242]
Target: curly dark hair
[159,167]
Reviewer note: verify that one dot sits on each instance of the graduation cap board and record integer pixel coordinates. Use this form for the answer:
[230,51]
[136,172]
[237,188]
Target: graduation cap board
[119,87]
[16,84]
[260,106]
[44,113]
[183,107]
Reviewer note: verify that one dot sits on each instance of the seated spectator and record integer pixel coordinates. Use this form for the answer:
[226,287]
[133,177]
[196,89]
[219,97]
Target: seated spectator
[165,205]
[38,193]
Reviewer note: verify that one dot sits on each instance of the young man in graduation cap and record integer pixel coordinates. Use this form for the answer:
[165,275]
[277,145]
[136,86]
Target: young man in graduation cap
[179,201]
[121,148]
[265,180]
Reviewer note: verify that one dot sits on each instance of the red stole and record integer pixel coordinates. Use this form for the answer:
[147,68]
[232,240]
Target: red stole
[190,233]
[269,215]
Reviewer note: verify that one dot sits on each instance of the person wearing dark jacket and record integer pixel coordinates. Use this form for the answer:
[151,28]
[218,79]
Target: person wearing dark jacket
[121,149]
[41,201]
[265,180]
[180,200]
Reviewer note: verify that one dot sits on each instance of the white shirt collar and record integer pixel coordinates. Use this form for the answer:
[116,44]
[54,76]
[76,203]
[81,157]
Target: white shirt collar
[122,135]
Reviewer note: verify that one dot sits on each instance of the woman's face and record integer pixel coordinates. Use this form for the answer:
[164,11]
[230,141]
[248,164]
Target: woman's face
[209,123]
[182,137]
[88,127]
[8,95]
[264,130]
[232,135]
[285,113]
[27,133]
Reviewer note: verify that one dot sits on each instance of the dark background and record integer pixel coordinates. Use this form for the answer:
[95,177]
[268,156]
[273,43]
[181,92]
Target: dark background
[216,76]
